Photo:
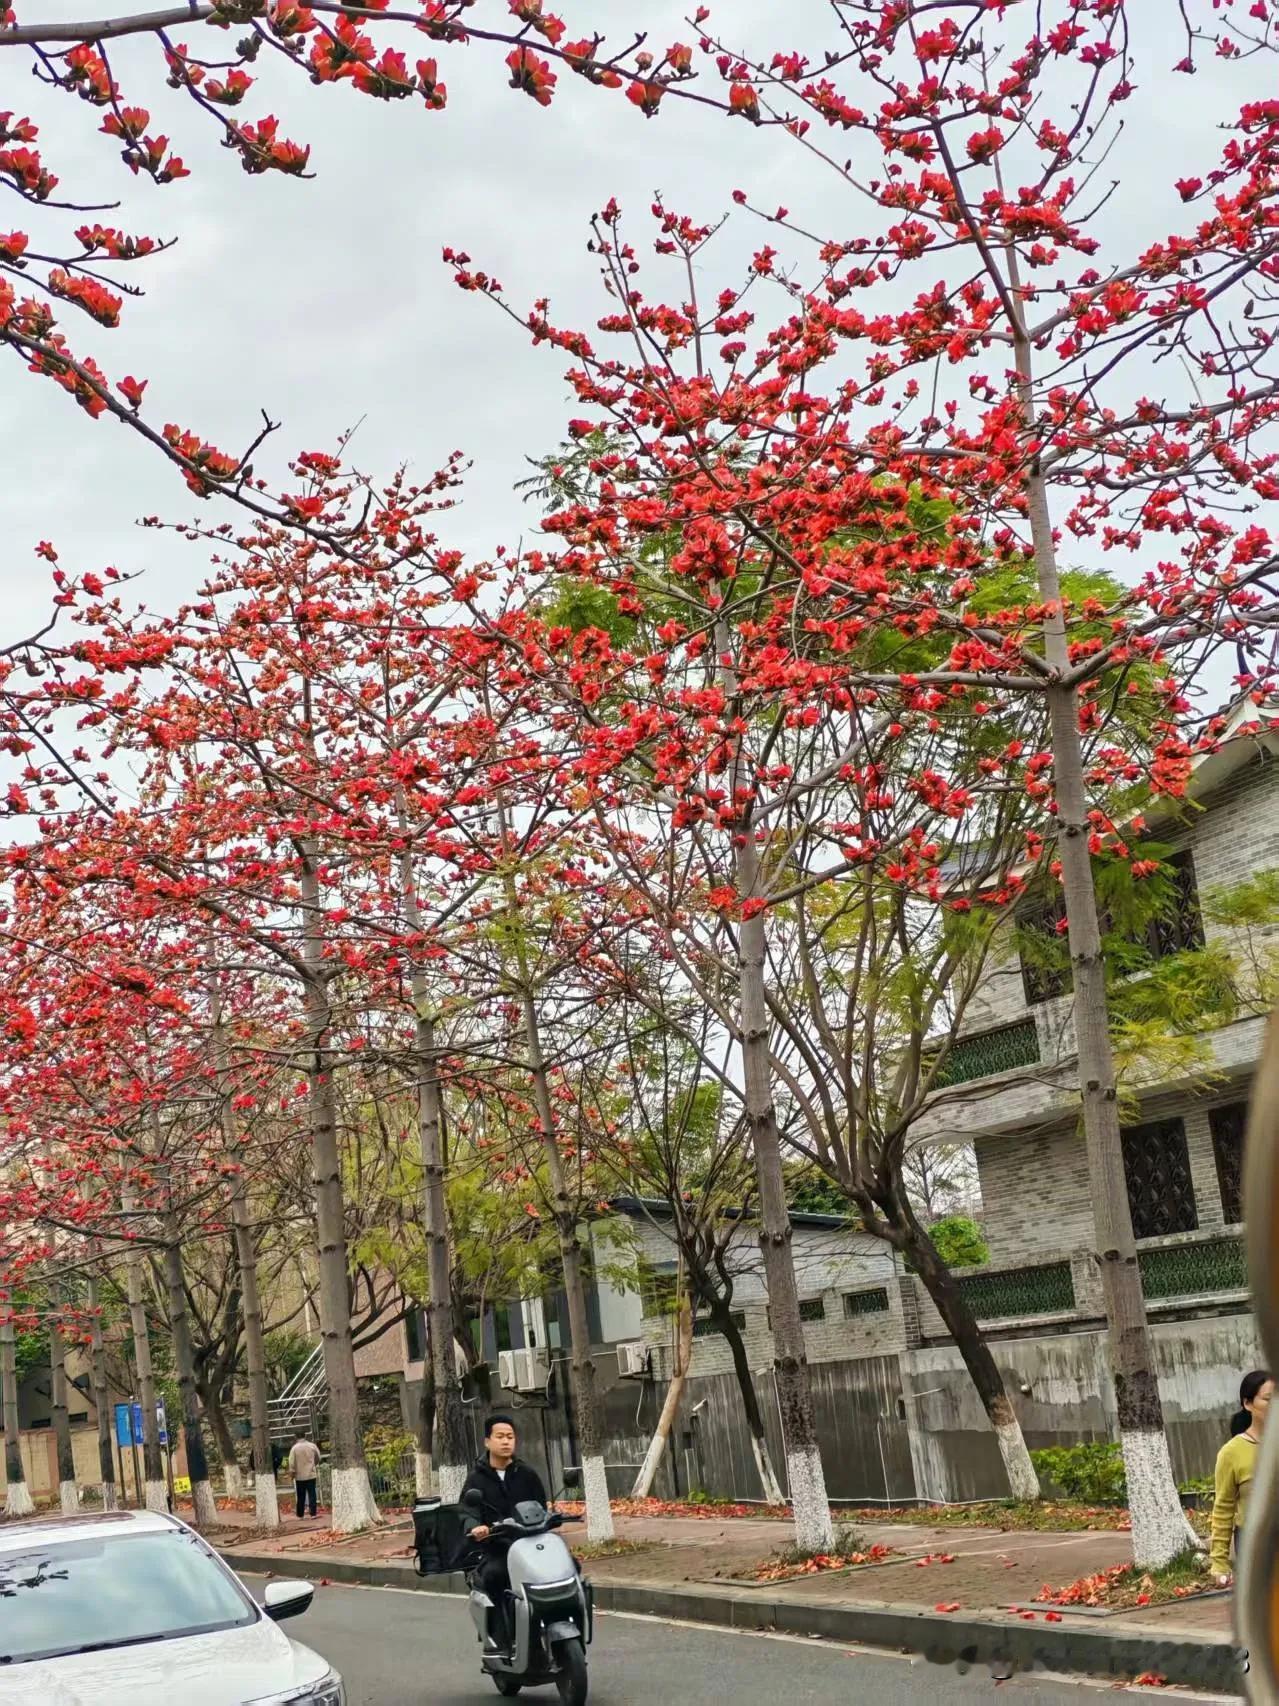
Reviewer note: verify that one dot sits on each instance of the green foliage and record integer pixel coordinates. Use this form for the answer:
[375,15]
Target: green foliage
[810,1191]
[285,1351]
[1092,1472]
[32,1353]
[385,1449]
[959,1241]
[579,605]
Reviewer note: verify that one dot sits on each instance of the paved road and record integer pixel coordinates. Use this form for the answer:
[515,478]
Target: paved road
[410,1649]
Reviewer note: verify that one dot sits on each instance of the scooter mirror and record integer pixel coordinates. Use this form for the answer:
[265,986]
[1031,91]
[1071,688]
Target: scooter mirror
[473,1500]
[571,1476]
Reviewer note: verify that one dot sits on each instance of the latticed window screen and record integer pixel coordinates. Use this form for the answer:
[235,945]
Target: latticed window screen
[1227,1126]
[812,1309]
[704,1327]
[1045,1290]
[1161,1193]
[988,1052]
[1045,973]
[1181,927]
[1186,1270]
[871,1302]
[1044,969]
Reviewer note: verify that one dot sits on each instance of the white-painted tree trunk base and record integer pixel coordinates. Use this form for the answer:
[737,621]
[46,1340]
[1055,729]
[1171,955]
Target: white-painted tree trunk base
[648,1469]
[772,1492]
[1023,1483]
[1159,1524]
[155,1496]
[233,1480]
[452,1478]
[18,1500]
[68,1497]
[110,1496]
[423,1478]
[206,1506]
[599,1513]
[354,1506]
[814,1531]
[266,1499]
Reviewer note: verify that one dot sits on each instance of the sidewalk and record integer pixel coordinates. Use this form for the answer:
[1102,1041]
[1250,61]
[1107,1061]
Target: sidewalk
[960,1595]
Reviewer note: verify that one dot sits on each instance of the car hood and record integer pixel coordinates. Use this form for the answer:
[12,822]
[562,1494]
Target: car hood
[225,1668]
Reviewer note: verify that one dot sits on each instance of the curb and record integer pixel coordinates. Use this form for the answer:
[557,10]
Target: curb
[1005,1646]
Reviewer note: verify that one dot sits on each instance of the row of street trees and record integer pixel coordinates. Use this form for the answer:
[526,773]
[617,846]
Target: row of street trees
[708,815]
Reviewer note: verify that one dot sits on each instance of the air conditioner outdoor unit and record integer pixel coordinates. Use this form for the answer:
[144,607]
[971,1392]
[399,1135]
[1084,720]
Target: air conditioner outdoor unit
[634,1360]
[523,1371]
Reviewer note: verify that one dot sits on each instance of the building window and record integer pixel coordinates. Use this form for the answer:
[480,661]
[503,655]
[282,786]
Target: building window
[415,1334]
[871,1302]
[812,1309]
[1161,1193]
[1045,956]
[704,1327]
[658,1288]
[1227,1127]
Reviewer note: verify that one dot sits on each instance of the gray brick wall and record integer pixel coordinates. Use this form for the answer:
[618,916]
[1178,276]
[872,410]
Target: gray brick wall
[1034,1184]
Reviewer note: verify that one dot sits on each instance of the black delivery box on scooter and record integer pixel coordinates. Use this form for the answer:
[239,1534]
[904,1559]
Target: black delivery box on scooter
[440,1545]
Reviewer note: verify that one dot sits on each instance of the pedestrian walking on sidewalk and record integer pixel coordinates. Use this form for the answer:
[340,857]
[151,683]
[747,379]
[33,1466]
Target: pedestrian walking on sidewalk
[1236,1464]
[304,1464]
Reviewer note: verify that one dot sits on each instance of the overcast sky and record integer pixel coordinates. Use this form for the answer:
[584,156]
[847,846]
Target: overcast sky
[325,302]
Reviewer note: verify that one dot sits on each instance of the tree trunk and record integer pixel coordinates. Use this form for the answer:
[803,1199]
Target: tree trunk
[599,1514]
[814,1530]
[423,1473]
[265,1490]
[220,1429]
[353,1503]
[983,1371]
[448,1433]
[670,1407]
[156,1493]
[101,1402]
[813,1527]
[447,1443]
[206,1510]
[18,1500]
[771,1487]
[68,1491]
[1160,1528]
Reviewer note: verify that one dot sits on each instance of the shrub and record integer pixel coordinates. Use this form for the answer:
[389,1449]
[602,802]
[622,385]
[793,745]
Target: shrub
[385,1448]
[959,1241]
[1093,1472]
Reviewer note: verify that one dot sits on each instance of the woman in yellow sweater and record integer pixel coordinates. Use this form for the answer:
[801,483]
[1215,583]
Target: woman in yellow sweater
[1235,1464]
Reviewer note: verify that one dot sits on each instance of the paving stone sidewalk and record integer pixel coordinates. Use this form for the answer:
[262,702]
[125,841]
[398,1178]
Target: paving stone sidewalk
[990,1571]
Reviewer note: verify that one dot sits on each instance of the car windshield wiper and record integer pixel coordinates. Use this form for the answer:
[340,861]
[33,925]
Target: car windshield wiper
[122,1641]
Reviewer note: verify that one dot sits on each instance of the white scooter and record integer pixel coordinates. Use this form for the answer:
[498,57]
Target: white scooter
[542,1633]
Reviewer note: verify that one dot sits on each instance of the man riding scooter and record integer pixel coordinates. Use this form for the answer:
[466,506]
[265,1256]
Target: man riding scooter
[501,1481]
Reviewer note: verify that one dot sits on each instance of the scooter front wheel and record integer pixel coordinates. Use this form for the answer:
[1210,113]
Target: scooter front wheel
[570,1678]
[507,1685]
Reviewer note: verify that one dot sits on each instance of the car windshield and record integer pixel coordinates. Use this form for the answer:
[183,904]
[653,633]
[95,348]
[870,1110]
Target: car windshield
[87,1595]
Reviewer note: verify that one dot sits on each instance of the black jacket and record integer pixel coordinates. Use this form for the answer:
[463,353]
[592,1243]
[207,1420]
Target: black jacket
[502,1494]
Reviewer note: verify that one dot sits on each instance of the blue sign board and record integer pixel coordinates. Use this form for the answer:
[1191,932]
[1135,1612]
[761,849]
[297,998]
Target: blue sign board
[128,1424]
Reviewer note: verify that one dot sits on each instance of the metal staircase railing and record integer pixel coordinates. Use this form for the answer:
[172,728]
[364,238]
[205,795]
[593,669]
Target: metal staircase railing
[303,1401]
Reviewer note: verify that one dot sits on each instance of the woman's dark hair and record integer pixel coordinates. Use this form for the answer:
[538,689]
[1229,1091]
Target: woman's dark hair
[1249,1387]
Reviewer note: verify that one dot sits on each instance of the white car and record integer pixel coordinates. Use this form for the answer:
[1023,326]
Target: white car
[128,1608]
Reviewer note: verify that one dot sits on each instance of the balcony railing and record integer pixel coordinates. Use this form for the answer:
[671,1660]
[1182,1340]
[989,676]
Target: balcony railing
[988,1052]
[1193,1268]
[1009,1293]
